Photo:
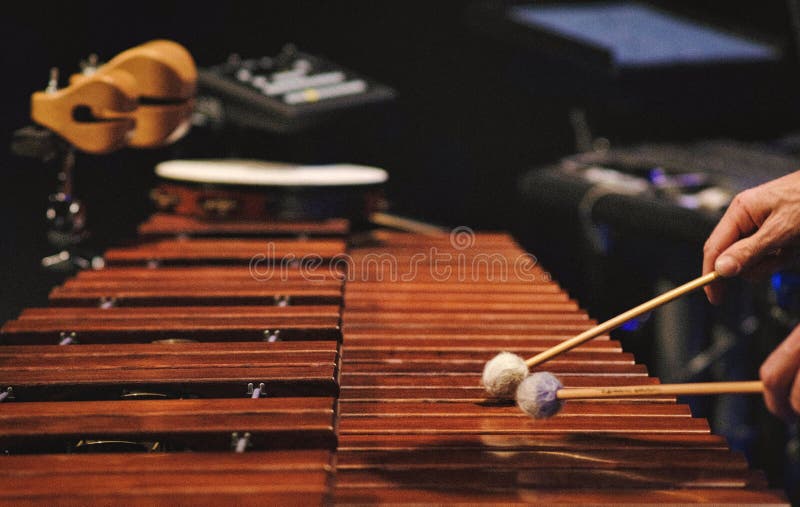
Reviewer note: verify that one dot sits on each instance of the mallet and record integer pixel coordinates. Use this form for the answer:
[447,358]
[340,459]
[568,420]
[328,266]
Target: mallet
[503,373]
[541,394]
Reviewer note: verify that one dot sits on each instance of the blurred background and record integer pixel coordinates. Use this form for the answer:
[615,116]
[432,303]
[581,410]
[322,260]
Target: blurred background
[608,137]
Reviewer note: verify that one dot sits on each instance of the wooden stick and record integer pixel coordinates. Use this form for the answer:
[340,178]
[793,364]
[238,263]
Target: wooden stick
[621,319]
[406,224]
[578,393]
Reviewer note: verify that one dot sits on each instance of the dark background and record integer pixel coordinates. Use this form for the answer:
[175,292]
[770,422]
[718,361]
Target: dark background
[475,110]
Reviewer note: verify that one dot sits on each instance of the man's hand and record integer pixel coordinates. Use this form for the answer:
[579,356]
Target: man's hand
[759,233]
[781,376]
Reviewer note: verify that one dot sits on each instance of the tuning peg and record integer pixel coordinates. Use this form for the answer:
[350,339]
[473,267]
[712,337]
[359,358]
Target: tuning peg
[90,65]
[52,82]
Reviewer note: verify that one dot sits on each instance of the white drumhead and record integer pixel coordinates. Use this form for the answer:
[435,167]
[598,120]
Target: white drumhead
[263,173]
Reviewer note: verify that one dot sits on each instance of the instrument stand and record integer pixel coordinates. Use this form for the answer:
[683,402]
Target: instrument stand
[66,215]
[66,218]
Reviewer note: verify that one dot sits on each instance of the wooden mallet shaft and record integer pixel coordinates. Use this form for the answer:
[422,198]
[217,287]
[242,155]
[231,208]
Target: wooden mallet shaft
[700,388]
[405,224]
[620,319]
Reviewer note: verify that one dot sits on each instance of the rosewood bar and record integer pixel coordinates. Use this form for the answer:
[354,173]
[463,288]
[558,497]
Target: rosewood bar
[242,363]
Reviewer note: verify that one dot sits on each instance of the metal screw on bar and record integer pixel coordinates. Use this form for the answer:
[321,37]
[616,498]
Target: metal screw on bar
[272,336]
[240,444]
[255,392]
[68,338]
[107,302]
[282,300]
[6,394]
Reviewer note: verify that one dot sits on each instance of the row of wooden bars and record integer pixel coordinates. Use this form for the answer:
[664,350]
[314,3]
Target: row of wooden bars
[297,364]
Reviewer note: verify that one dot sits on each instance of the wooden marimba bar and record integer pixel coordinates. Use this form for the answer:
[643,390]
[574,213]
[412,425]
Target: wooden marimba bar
[179,346]
[414,423]
[218,384]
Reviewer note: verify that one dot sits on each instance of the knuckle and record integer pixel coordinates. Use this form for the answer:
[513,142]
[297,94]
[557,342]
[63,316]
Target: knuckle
[744,250]
[739,199]
[744,198]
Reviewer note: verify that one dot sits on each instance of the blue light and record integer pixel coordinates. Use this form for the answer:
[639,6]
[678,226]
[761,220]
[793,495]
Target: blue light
[631,325]
[637,35]
[657,176]
[786,286]
[777,281]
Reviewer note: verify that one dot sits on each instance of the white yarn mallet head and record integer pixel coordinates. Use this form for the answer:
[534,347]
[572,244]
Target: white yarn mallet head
[502,374]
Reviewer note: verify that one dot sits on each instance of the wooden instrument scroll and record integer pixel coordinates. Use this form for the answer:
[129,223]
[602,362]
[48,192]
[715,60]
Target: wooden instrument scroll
[141,98]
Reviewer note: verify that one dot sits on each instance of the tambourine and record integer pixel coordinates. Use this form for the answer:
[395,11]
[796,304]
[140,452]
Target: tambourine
[262,190]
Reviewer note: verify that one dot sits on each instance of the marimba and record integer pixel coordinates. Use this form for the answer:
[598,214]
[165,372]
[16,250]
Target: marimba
[251,363]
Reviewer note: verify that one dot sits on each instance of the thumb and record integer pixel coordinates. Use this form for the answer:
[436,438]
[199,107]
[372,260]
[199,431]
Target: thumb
[744,254]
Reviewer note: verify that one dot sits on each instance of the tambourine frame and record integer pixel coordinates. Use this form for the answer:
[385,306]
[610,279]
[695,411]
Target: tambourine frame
[267,202]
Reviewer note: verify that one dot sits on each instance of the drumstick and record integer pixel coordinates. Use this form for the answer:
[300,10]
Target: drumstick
[503,373]
[541,394]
